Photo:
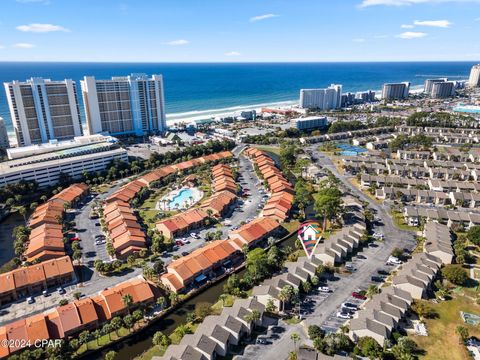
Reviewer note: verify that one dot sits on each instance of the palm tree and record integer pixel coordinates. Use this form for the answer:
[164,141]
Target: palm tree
[286,295]
[295,338]
[127,301]
[22,211]
[253,317]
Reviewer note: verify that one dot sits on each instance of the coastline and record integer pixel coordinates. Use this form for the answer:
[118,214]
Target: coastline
[179,118]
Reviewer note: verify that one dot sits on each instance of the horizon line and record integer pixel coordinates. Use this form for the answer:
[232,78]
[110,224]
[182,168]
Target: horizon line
[236,62]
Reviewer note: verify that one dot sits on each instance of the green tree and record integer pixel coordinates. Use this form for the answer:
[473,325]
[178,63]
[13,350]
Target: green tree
[455,274]
[253,317]
[127,300]
[270,307]
[111,355]
[158,338]
[473,235]
[257,264]
[372,290]
[328,204]
[404,349]
[370,347]
[202,310]
[286,295]
[462,333]
[295,338]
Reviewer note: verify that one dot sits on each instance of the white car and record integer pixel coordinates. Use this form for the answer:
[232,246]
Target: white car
[324,289]
[30,300]
[394,260]
[343,315]
[194,235]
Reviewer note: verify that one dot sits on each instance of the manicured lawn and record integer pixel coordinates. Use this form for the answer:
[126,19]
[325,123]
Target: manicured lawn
[442,342]
[399,222]
[293,321]
[291,225]
[272,149]
[150,353]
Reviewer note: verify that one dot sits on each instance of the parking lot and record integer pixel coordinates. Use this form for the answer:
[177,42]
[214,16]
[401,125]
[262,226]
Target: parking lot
[21,308]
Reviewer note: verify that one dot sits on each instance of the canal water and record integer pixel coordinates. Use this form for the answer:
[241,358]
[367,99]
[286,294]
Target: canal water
[142,341]
[6,237]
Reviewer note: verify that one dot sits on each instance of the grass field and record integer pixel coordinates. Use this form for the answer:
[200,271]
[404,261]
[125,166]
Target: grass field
[399,222]
[272,149]
[442,343]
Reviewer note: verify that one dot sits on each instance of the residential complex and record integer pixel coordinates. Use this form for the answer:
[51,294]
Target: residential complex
[474,79]
[310,123]
[45,241]
[43,110]
[4,142]
[395,91]
[33,279]
[69,320]
[130,105]
[321,99]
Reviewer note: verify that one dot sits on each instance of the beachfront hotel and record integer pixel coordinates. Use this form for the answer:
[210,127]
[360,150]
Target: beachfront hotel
[321,99]
[396,91]
[43,110]
[129,105]
[474,80]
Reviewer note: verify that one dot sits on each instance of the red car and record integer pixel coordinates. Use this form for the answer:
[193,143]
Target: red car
[75,238]
[357,295]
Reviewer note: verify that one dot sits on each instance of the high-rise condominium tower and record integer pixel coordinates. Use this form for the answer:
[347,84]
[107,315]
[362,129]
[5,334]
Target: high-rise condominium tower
[322,99]
[132,104]
[474,80]
[43,110]
[396,91]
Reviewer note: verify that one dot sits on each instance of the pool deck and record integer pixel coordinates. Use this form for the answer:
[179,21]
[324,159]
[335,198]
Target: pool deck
[197,195]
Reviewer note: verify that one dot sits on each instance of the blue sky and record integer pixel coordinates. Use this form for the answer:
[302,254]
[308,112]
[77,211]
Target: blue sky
[241,30]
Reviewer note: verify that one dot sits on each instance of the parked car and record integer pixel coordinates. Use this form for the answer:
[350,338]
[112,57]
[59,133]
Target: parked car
[376,278]
[61,290]
[359,296]
[179,243]
[383,272]
[185,253]
[324,289]
[45,293]
[394,260]
[262,341]
[100,236]
[349,306]
[194,235]
[30,300]
[97,224]
[343,315]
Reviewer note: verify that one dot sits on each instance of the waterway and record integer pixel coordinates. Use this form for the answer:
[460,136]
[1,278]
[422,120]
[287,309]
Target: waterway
[6,236]
[142,341]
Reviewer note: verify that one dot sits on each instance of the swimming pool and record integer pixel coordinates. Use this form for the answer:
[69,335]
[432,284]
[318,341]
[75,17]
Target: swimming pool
[350,150]
[182,199]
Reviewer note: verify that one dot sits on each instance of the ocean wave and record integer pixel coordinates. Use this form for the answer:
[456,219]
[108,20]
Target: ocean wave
[231,109]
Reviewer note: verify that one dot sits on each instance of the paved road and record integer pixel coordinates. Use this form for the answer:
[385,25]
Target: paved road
[246,208]
[322,309]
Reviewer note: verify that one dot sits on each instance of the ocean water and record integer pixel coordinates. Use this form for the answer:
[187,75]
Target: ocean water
[197,89]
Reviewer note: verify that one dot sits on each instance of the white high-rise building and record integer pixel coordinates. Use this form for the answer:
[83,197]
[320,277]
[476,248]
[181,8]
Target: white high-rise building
[321,99]
[442,90]
[43,110]
[396,91]
[124,105]
[4,143]
[427,88]
[474,80]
